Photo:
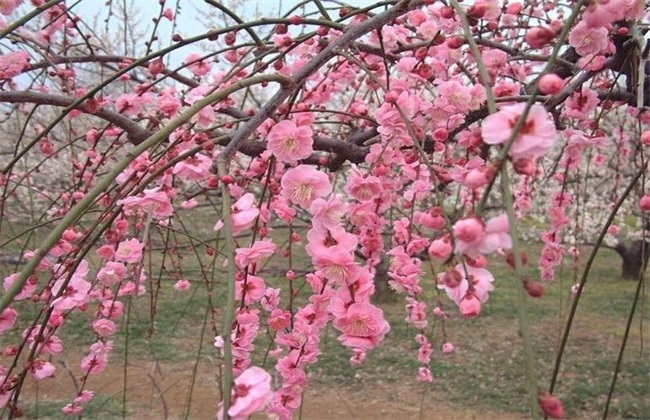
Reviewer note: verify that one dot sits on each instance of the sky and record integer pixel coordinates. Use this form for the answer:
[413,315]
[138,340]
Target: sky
[191,21]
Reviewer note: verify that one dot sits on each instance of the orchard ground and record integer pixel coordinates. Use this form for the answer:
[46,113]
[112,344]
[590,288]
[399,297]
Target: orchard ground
[174,372]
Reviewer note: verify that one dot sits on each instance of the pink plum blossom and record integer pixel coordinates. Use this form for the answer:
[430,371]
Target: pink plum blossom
[243,214]
[72,410]
[289,142]
[196,65]
[112,273]
[193,168]
[104,327]
[440,248]
[447,348]
[182,285]
[259,251]
[41,369]
[363,326]
[535,139]
[153,199]
[644,203]
[13,63]
[303,184]
[8,318]
[327,214]
[129,251]
[588,40]
[470,306]
[462,281]
[28,289]
[251,393]
[363,188]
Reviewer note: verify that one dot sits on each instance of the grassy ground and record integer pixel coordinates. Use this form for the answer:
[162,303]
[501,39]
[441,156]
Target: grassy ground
[484,375]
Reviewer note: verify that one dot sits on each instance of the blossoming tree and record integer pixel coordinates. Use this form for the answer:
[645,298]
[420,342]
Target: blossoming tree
[423,135]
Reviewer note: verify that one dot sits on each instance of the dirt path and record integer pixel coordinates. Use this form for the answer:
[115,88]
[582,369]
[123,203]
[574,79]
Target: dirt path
[161,392]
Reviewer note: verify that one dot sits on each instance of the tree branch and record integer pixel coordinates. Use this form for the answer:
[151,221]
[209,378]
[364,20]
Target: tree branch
[136,133]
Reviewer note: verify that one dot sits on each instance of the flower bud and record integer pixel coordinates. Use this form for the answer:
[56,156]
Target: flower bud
[534,289]
[550,84]
[550,405]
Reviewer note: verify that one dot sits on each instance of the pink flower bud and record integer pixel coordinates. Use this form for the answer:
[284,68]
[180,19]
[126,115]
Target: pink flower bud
[539,37]
[534,288]
[440,134]
[156,67]
[645,138]
[550,405]
[477,262]
[514,8]
[525,167]
[447,348]
[391,97]
[644,203]
[455,42]
[550,84]
[470,306]
[440,249]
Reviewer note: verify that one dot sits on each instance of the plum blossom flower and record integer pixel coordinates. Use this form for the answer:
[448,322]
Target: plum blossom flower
[470,306]
[327,214]
[182,285]
[8,318]
[550,405]
[197,66]
[424,374]
[363,326]
[581,103]
[104,327]
[97,359]
[153,199]
[303,184]
[41,369]
[363,188]
[112,273]
[72,410]
[76,289]
[12,64]
[472,237]
[129,251]
[289,142]
[256,253]
[468,287]
[535,139]
[600,13]
[250,288]
[588,40]
[28,289]
[193,168]
[337,264]
[447,348]
[644,203]
[131,104]
[440,248]
[250,394]
[243,214]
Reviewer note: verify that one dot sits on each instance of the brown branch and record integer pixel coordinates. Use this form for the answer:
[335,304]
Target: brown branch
[136,133]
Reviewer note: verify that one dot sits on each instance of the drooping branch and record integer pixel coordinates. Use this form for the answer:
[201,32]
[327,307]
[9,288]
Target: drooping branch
[351,34]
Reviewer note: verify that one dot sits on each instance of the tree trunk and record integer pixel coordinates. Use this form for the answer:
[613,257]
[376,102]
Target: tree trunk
[635,258]
[383,291]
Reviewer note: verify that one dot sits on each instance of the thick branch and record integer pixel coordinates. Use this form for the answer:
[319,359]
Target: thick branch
[135,131]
